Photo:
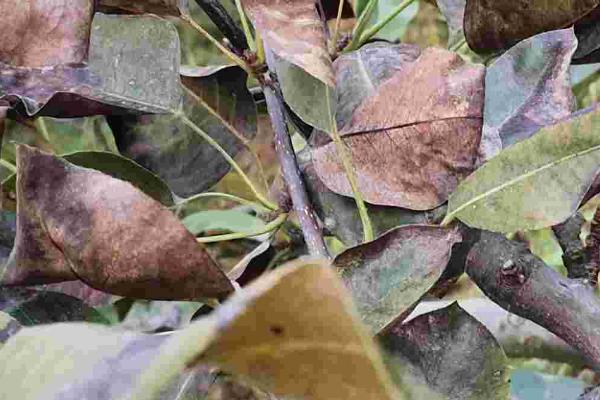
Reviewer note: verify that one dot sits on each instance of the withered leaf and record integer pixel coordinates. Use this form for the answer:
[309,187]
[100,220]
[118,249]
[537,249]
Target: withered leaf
[255,335]
[77,223]
[340,215]
[492,25]
[39,33]
[453,352]
[159,7]
[527,88]
[389,275]
[415,137]
[218,101]
[294,33]
[132,65]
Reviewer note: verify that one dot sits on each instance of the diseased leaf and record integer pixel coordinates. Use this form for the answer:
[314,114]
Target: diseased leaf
[451,351]
[8,327]
[85,293]
[393,30]
[118,167]
[389,275]
[218,101]
[543,244]
[492,25]
[87,225]
[36,307]
[527,88]
[340,215]
[222,220]
[510,192]
[293,31]
[39,33]
[415,137]
[160,7]
[254,334]
[132,65]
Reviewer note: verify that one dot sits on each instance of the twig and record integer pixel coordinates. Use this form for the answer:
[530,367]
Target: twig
[521,283]
[219,16]
[313,234]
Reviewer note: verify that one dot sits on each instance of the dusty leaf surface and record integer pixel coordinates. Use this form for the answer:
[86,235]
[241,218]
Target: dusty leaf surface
[390,274]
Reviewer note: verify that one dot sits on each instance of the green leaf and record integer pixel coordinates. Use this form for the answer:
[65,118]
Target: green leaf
[393,30]
[510,192]
[389,275]
[527,88]
[543,243]
[133,64]
[36,307]
[531,385]
[218,101]
[587,92]
[454,13]
[298,316]
[118,167]
[222,220]
[452,352]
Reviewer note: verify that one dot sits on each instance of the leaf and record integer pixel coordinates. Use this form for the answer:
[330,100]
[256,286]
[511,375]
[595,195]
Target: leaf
[588,35]
[118,167]
[222,220]
[587,92]
[254,334]
[492,25]
[454,13]
[38,33]
[415,137]
[340,215]
[389,275]
[132,65]
[393,30]
[36,307]
[219,102]
[159,316]
[543,244]
[8,327]
[527,88]
[104,232]
[160,7]
[453,352]
[295,34]
[509,192]
[531,385]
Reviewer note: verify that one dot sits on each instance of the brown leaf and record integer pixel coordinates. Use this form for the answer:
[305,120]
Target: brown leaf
[293,31]
[77,223]
[495,25]
[36,33]
[416,137]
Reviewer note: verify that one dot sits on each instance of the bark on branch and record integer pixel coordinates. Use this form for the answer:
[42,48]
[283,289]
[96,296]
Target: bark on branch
[313,234]
[221,18]
[521,283]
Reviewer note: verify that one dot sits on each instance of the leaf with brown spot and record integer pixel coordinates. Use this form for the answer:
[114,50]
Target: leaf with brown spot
[132,66]
[528,87]
[87,225]
[295,320]
[452,352]
[492,25]
[39,33]
[159,7]
[389,275]
[415,137]
[295,34]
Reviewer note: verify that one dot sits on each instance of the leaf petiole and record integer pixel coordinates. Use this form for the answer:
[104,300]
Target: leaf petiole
[260,197]
[256,206]
[245,25]
[368,34]
[271,226]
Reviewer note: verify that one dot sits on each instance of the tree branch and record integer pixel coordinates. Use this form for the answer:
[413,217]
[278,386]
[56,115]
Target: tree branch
[521,283]
[221,18]
[313,234]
